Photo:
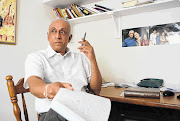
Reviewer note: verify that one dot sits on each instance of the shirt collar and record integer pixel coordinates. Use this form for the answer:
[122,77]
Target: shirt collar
[51,52]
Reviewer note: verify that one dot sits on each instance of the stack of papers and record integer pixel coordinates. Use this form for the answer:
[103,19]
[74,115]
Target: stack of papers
[129,3]
[142,2]
[81,106]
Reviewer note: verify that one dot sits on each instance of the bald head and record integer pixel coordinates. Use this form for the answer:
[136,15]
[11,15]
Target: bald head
[59,21]
[131,34]
[59,35]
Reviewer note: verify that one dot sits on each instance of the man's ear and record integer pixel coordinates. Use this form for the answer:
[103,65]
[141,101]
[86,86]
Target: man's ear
[48,36]
[70,37]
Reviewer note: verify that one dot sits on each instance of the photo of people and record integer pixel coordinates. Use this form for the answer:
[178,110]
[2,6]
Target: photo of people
[153,35]
[135,37]
[165,34]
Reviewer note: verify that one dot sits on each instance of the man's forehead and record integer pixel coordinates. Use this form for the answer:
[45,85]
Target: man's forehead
[61,28]
[59,24]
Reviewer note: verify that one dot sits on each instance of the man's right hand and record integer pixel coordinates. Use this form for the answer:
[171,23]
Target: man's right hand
[37,87]
[54,88]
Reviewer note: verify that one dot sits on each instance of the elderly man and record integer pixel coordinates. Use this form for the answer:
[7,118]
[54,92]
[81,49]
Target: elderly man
[130,41]
[47,71]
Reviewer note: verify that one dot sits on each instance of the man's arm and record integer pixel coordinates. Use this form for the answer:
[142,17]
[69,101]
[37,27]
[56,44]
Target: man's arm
[37,87]
[96,79]
[151,38]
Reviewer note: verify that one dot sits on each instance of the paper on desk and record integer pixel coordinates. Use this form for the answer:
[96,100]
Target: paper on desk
[81,106]
[122,94]
[171,89]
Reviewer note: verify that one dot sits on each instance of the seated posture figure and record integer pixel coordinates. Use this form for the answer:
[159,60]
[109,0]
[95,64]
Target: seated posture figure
[56,67]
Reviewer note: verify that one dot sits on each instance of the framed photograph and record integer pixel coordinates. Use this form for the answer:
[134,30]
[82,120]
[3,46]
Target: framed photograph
[135,37]
[163,34]
[7,21]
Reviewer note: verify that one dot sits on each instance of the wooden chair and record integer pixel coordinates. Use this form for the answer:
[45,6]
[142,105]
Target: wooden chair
[13,92]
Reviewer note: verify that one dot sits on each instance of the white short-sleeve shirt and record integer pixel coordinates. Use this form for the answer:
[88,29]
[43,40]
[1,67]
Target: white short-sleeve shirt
[73,68]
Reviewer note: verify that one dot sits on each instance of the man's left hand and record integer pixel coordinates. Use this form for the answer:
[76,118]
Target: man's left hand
[88,50]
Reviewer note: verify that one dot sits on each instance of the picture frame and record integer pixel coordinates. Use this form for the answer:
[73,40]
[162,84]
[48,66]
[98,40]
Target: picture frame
[163,34]
[8,22]
[140,37]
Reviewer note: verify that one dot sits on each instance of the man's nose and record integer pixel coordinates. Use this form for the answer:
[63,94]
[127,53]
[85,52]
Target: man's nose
[58,35]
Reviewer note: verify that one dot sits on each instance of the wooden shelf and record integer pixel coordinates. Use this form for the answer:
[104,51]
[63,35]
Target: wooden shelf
[65,3]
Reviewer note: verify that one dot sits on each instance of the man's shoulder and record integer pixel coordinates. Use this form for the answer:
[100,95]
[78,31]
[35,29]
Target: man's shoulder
[127,39]
[37,54]
[151,34]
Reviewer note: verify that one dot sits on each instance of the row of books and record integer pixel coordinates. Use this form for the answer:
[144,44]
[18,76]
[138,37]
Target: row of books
[75,11]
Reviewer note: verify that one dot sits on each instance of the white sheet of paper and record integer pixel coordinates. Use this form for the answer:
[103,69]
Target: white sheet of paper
[81,106]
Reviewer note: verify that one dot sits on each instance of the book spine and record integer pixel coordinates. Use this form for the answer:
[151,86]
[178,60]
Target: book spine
[144,95]
[99,9]
[69,15]
[80,11]
[59,10]
[141,91]
[57,13]
[92,11]
[103,7]
[69,10]
[84,11]
[54,13]
[72,11]
[75,10]
[64,13]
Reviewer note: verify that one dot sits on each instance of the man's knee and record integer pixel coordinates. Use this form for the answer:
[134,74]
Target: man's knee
[52,115]
[115,113]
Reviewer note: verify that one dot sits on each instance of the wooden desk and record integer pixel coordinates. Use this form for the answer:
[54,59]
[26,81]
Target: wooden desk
[165,102]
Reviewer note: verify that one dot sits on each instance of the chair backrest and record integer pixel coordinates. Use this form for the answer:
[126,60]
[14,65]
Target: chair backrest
[13,91]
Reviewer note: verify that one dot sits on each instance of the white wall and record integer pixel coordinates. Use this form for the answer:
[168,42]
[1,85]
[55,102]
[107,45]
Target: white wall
[128,65]
[33,19]
[116,63]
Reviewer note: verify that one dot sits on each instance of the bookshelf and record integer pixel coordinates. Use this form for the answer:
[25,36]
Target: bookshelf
[65,3]
[116,14]
[157,5]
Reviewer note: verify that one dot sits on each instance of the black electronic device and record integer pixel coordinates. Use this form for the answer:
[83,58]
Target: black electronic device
[168,93]
[151,82]
[84,38]
[118,86]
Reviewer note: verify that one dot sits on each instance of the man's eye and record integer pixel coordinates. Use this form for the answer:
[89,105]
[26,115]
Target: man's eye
[53,31]
[62,32]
